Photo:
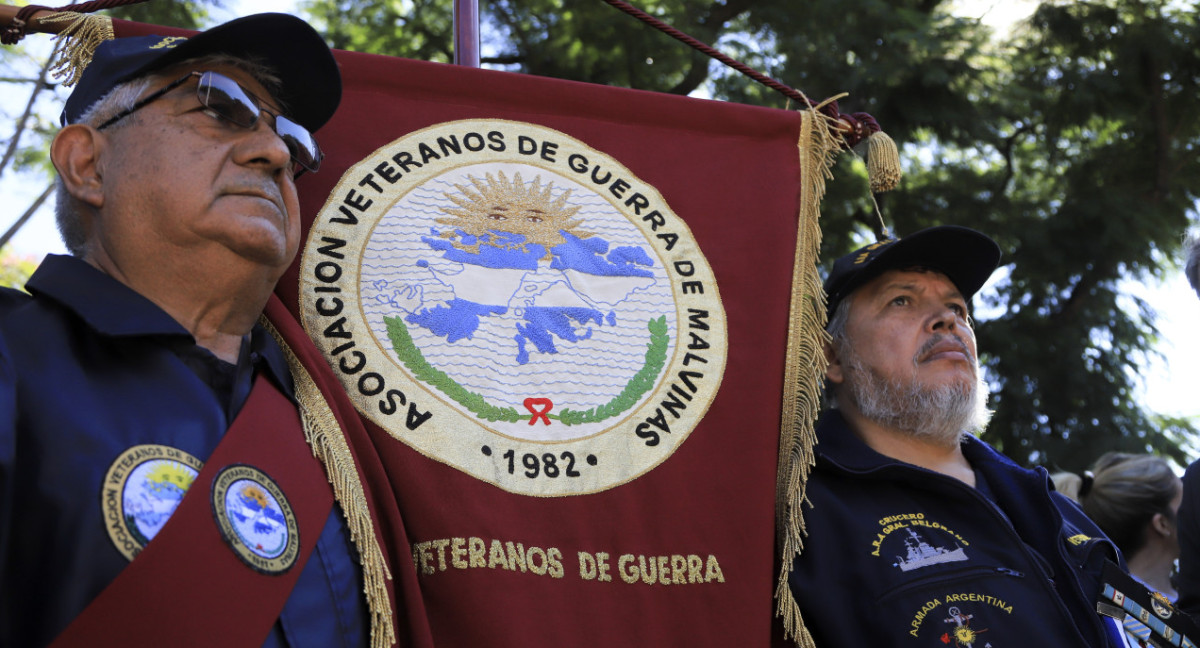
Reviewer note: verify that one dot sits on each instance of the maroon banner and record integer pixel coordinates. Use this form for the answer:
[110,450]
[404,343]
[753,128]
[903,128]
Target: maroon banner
[561,312]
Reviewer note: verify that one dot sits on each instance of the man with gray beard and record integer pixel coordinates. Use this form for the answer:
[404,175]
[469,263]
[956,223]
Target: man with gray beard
[920,534]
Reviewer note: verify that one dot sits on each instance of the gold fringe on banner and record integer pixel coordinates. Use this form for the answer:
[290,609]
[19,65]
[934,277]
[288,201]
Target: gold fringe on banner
[77,42]
[805,364]
[324,436]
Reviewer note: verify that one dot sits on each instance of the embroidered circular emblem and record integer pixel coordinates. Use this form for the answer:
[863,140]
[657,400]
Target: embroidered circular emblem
[255,518]
[509,301]
[142,489]
[1161,604]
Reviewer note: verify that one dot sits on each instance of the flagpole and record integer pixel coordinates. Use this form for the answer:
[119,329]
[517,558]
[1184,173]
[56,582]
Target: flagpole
[466,32]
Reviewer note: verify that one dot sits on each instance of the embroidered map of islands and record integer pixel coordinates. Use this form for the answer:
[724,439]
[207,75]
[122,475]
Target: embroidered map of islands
[579,289]
[518,288]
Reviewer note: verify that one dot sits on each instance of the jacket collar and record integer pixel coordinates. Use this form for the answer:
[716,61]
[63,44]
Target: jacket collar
[105,304]
[1020,492]
[838,444]
[113,309]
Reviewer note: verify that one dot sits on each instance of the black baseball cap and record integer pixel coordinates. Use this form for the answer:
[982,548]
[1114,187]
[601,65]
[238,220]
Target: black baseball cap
[310,83]
[967,257]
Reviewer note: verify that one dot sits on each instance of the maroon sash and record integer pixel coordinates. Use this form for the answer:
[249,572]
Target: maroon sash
[188,587]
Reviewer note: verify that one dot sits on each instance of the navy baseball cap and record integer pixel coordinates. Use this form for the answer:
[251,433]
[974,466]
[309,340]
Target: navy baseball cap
[310,83]
[967,257]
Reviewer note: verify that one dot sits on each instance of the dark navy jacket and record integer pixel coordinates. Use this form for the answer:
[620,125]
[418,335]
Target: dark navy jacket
[1189,542]
[88,369]
[897,555]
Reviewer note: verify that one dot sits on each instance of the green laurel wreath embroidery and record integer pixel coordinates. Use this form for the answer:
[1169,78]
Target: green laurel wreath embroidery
[412,358]
[642,382]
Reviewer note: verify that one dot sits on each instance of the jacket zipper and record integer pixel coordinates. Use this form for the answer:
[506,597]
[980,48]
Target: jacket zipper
[969,573]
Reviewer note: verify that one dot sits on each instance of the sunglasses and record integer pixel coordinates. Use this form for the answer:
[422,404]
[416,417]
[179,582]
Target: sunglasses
[228,100]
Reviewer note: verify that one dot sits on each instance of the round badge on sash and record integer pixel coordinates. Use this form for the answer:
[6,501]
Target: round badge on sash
[142,489]
[255,518]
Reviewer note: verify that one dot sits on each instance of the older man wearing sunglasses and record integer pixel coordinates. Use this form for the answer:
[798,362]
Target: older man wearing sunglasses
[137,373]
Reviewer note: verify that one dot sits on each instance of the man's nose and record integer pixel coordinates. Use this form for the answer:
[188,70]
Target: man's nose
[944,318]
[262,146]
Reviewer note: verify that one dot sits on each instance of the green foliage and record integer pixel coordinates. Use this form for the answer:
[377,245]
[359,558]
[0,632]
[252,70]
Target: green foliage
[1102,181]
[15,270]
[187,14]
[581,40]
[20,73]
[420,29]
[586,40]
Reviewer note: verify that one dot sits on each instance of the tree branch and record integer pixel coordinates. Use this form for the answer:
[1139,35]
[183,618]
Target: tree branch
[503,59]
[23,121]
[696,74]
[1006,151]
[1152,72]
[722,13]
[1078,295]
[25,80]
[710,25]
[26,216]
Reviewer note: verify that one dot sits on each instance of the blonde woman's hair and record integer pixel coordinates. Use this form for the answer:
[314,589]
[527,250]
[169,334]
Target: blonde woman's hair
[1126,493]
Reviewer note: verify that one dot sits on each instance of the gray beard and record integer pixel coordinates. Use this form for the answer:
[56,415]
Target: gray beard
[938,414]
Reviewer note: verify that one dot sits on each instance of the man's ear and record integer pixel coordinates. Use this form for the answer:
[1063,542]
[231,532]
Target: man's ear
[833,371]
[76,153]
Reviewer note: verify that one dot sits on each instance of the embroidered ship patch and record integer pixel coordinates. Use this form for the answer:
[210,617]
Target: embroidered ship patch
[255,518]
[516,304]
[142,489]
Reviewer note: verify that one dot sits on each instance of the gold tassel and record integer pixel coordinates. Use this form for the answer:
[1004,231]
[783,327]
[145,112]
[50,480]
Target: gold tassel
[77,42]
[883,162]
[324,436]
[805,364]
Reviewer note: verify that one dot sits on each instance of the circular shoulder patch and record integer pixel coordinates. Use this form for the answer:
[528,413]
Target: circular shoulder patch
[516,304]
[255,518]
[1161,604]
[142,489]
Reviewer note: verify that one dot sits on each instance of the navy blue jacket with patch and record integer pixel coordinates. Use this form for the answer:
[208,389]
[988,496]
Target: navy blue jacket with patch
[88,369]
[897,555]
